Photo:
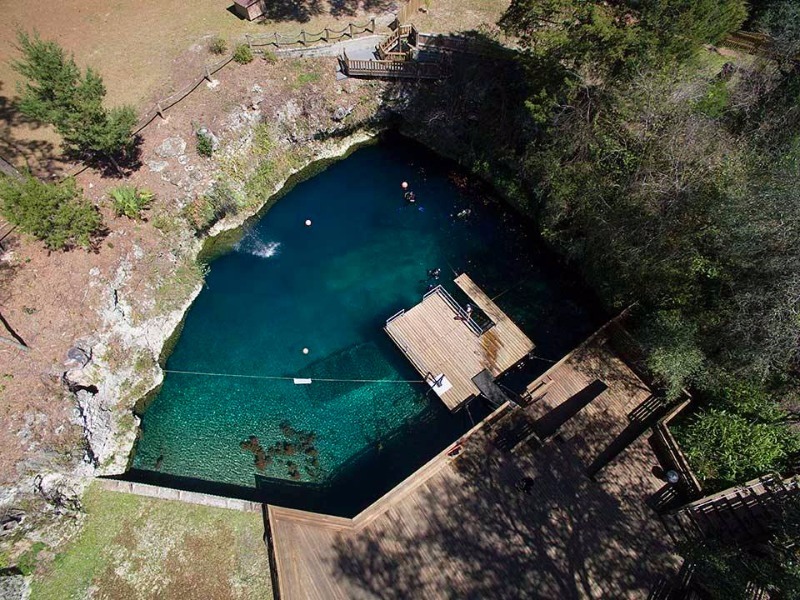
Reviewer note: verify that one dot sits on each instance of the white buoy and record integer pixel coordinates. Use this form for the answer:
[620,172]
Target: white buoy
[308,222]
[404,185]
[305,350]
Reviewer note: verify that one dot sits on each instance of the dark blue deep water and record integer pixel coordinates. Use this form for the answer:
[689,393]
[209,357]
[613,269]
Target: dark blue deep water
[335,446]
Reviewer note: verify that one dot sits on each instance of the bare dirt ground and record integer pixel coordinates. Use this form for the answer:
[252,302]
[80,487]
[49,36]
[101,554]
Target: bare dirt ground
[144,49]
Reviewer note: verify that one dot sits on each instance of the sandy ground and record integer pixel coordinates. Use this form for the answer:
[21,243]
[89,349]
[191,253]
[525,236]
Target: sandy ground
[144,49]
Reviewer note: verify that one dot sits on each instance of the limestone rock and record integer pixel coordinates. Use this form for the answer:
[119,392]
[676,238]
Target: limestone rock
[341,113]
[15,587]
[77,357]
[61,492]
[171,147]
[156,166]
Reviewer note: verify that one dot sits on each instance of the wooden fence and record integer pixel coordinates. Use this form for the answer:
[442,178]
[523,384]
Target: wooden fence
[670,454]
[304,37]
[390,69]
[742,513]
[256,43]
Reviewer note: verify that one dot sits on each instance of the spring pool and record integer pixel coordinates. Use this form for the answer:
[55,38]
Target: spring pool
[284,286]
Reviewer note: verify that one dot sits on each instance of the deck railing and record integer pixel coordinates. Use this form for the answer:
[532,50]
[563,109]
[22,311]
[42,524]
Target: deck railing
[673,456]
[467,319]
[389,68]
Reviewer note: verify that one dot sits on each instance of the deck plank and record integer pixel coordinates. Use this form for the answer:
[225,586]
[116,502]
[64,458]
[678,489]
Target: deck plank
[436,342]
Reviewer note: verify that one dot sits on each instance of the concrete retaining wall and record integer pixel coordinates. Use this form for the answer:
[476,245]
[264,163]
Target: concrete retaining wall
[154,491]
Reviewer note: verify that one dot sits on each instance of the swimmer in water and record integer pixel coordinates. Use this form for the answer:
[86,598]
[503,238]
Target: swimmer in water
[411,197]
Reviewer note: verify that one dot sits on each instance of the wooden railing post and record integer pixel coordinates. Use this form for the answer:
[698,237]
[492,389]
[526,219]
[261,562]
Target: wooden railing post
[372,25]
[351,30]
[325,32]
[207,76]
[248,40]
[159,110]
[303,37]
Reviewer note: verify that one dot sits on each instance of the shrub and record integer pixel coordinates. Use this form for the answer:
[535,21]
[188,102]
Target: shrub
[26,563]
[208,209]
[218,46]
[205,146]
[269,56]
[243,54]
[130,201]
[55,213]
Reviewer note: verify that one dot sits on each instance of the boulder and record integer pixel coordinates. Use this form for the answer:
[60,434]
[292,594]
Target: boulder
[340,114]
[171,147]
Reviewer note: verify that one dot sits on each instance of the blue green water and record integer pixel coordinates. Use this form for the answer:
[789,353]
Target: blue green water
[329,288]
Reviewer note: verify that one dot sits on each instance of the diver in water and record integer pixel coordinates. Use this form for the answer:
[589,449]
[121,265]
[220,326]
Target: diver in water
[411,197]
[434,273]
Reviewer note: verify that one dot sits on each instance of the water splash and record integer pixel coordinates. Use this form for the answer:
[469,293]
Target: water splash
[252,245]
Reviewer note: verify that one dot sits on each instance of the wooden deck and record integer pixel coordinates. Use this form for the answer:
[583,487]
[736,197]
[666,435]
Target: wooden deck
[590,398]
[460,528]
[437,343]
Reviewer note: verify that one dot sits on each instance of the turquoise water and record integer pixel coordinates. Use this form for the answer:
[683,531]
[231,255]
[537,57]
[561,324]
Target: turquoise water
[329,288]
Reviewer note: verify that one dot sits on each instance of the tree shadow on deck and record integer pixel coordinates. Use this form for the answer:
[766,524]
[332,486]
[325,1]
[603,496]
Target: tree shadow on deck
[482,537]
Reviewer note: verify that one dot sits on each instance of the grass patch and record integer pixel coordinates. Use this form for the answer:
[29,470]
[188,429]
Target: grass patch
[307,78]
[178,284]
[147,548]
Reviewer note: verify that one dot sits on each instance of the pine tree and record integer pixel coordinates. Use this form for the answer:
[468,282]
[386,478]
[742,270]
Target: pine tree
[55,92]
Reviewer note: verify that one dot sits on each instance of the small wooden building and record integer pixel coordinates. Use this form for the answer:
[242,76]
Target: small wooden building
[249,9]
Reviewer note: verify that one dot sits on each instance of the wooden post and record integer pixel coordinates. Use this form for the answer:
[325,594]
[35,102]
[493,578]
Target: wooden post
[276,40]
[249,41]
[208,74]
[351,30]
[372,25]
[159,110]
[325,33]
[303,37]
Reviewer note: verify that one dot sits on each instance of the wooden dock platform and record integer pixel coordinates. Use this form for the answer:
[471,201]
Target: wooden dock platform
[439,339]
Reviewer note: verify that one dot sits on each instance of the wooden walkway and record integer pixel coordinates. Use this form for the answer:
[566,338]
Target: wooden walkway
[462,528]
[591,385]
[437,343]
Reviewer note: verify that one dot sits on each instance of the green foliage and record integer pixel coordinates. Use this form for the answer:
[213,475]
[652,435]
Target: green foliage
[130,201]
[55,213]
[741,432]
[210,208]
[54,92]
[726,448]
[716,100]
[269,56]
[780,19]
[218,46]
[26,563]
[614,37]
[728,571]
[205,145]
[259,185]
[243,54]
[306,78]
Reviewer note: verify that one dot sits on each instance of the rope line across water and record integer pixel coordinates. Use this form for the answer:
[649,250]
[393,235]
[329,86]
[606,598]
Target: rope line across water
[286,378]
